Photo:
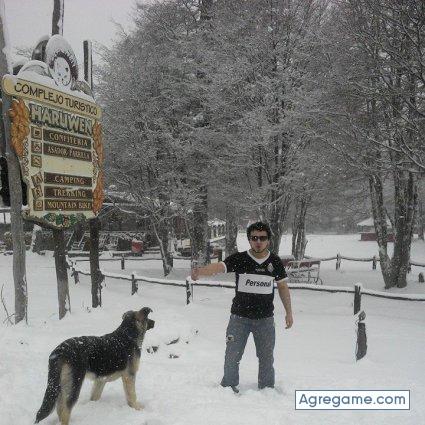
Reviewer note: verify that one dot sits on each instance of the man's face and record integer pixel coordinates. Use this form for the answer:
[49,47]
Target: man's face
[259,240]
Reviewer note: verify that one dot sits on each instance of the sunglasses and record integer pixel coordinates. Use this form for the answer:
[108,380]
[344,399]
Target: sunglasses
[259,238]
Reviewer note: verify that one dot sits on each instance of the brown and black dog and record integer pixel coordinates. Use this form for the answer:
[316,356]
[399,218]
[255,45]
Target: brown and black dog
[100,358]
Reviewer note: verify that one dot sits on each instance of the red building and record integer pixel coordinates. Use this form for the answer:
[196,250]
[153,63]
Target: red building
[367,230]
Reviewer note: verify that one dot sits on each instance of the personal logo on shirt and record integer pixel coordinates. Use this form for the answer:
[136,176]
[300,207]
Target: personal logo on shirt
[270,267]
[255,284]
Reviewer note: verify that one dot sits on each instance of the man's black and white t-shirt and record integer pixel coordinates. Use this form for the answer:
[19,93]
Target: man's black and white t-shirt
[254,283]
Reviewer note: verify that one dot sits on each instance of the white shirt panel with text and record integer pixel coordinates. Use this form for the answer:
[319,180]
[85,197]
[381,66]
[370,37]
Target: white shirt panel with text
[255,283]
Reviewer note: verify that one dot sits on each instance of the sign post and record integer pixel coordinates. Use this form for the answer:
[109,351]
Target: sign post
[64,299]
[94,223]
[17,228]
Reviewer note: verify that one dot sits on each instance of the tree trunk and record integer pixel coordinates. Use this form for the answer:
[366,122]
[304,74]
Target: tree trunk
[394,270]
[421,221]
[61,273]
[299,241]
[231,231]
[405,211]
[200,228]
[96,275]
[36,241]
[15,188]
[380,223]
[161,231]
[276,214]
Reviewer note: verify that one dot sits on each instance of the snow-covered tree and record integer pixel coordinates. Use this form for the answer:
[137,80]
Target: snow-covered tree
[374,110]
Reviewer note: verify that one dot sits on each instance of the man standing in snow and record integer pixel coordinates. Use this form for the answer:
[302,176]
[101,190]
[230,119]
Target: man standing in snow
[252,309]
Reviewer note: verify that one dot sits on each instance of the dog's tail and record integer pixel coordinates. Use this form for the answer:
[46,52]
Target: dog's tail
[53,388]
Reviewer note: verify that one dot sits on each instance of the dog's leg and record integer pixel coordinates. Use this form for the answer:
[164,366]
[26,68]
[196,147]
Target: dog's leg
[62,409]
[129,381]
[98,386]
[71,383]
[63,412]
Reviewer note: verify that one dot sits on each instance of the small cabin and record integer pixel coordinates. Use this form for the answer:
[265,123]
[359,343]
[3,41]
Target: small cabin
[366,228]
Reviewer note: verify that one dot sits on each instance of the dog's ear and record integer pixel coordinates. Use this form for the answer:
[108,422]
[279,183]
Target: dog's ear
[145,312]
[127,315]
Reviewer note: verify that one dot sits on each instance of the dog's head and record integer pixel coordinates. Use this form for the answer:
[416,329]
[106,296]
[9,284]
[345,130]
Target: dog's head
[137,323]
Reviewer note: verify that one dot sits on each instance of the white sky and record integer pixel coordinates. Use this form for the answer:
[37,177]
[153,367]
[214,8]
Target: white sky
[29,20]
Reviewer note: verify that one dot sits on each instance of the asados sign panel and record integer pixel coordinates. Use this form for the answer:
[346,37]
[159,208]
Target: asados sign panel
[58,139]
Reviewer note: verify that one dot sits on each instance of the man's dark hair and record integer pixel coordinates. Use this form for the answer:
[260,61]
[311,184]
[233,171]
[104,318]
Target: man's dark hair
[260,226]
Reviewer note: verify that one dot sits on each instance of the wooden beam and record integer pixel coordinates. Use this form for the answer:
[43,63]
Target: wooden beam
[57,17]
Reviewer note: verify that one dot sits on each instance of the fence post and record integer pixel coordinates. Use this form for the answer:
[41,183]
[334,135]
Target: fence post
[74,274]
[357,297]
[122,262]
[134,286]
[338,261]
[374,262]
[361,346]
[188,292]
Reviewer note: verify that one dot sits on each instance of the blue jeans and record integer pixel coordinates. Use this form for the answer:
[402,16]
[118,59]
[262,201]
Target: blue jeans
[237,334]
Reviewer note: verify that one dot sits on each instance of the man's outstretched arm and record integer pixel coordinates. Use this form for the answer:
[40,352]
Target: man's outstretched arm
[209,270]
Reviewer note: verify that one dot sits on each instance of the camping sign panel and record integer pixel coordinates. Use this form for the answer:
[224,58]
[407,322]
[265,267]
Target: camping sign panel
[58,139]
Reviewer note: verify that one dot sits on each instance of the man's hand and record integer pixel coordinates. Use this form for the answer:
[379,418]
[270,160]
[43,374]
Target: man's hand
[194,274]
[289,320]
[209,270]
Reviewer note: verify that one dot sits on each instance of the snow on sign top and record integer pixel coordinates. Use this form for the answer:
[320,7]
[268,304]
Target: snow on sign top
[61,61]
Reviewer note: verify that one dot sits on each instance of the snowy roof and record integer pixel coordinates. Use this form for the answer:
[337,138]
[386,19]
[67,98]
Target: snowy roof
[369,222]
[216,222]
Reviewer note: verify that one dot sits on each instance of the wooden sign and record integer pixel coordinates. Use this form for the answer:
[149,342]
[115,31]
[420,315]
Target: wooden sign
[56,134]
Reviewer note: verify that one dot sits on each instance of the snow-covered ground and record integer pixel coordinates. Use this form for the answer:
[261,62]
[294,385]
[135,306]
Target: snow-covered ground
[317,353]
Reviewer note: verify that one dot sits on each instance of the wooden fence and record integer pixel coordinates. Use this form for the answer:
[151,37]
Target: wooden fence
[188,284]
